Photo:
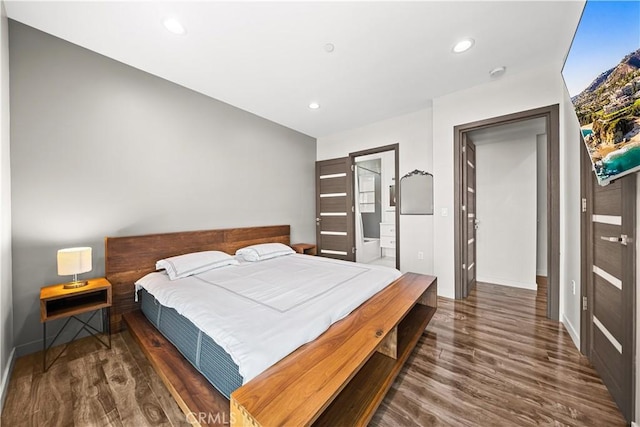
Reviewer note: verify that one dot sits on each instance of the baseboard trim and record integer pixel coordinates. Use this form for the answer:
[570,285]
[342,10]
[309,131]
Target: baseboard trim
[575,337]
[6,377]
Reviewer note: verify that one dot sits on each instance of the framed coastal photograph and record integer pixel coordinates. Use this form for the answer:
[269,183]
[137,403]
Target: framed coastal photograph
[602,75]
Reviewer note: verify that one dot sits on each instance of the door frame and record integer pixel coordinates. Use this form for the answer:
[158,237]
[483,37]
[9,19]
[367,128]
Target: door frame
[551,114]
[396,149]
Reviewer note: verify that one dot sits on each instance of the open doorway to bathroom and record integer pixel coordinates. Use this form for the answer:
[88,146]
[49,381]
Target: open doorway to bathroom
[375,176]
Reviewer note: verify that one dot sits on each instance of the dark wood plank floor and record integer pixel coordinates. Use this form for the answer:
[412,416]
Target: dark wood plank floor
[495,360]
[90,385]
[490,360]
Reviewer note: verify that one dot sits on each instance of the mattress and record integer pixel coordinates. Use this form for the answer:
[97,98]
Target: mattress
[259,312]
[196,346]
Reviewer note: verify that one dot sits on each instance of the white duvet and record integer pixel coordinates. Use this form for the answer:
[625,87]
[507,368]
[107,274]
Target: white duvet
[259,312]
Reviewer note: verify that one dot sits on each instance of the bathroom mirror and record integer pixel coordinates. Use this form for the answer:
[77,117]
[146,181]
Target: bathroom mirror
[416,193]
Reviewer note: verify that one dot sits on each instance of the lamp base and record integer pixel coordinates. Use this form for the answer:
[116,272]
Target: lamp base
[76,284]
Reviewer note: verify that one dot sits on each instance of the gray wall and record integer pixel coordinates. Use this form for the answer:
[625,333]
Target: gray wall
[102,149]
[6,302]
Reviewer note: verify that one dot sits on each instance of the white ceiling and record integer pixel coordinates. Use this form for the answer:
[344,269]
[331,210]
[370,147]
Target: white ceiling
[268,58]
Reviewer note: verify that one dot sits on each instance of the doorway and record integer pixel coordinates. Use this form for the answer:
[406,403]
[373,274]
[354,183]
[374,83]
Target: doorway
[376,219]
[464,225]
[506,186]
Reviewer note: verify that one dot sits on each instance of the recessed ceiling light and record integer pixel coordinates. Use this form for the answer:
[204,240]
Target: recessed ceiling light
[174,26]
[497,72]
[463,45]
[314,105]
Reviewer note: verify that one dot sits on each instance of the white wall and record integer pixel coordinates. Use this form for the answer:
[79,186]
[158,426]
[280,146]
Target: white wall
[506,211]
[512,93]
[541,197]
[570,213]
[6,299]
[413,134]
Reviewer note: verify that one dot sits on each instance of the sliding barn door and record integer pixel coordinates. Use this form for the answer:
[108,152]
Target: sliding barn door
[611,287]
[334,209]
[469,216]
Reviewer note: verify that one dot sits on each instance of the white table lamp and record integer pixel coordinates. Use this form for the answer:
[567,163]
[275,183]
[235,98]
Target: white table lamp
[73,261]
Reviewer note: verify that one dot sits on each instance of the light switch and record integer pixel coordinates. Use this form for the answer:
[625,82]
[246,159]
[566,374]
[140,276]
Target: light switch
[445,212]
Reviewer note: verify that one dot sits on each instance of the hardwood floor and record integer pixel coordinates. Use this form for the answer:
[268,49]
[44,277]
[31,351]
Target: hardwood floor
[490,360]
[494,359]
[90,386]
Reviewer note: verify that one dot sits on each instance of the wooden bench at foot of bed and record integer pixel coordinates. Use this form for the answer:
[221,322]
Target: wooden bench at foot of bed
[341,377]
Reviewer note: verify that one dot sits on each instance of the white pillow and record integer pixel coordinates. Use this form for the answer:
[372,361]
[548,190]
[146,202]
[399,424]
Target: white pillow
[181,266]
[264,251]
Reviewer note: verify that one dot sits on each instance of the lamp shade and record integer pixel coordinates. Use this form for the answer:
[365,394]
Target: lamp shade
[74,261]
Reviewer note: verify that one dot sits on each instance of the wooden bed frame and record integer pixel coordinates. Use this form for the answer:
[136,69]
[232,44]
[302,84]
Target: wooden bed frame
[338,379]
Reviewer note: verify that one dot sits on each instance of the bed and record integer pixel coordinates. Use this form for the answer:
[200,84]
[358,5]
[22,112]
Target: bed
[342,375]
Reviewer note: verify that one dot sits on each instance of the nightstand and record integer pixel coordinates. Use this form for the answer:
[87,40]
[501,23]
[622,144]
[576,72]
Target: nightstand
[305,248]
[56,302]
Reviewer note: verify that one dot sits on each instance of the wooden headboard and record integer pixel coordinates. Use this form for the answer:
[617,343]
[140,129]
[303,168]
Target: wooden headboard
[129,258]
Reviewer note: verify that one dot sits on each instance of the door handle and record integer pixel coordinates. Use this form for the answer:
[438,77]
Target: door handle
[623,239]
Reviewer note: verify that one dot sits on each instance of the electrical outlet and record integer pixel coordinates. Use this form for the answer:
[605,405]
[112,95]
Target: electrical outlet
[420,255]
[573,286]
